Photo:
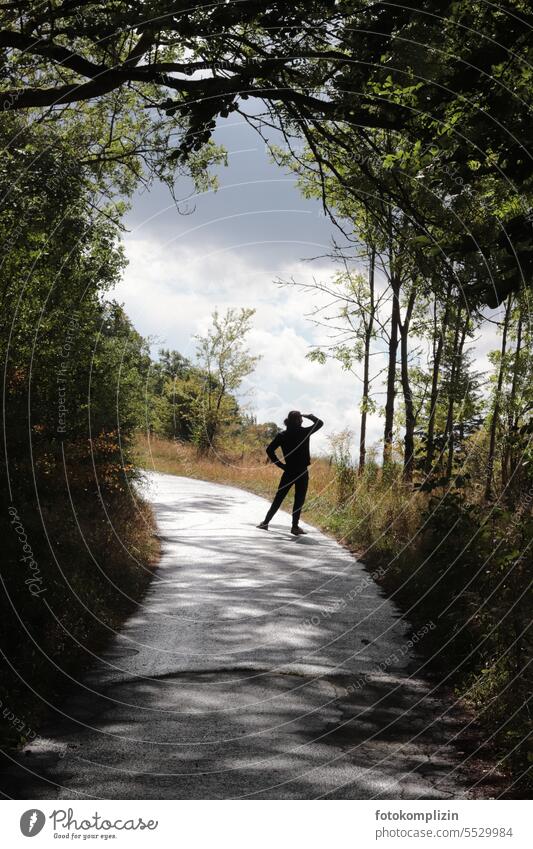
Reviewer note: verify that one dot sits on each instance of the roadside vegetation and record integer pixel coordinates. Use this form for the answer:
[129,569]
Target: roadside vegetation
[78,540]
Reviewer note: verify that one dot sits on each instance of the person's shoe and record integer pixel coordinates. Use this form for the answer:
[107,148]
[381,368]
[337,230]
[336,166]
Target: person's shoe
[297,531]
[263,526]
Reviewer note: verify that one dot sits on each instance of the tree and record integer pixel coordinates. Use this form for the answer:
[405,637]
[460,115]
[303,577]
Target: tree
[225,361]
[368,217]
[441,313]
[497,399]
[518,403]
[351,330]
[173,388]
[449,163]
[440,92]
[510,405]
[75,367]
[72,399]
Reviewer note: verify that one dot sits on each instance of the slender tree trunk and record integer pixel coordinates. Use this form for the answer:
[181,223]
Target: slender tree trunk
[395,283]
[448,429]
[497,403]
[369,328]
[511,417]
[430,442]
[458,362]
[214,418]
[409,439]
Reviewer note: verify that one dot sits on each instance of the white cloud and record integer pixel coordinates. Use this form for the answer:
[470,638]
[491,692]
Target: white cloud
[169,291]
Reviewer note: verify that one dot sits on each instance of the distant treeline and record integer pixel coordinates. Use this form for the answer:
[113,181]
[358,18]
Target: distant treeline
[179,406]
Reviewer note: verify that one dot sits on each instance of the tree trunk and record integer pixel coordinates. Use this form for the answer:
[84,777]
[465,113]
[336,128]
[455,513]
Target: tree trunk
[457,374]
[395,283]
[409,439]
[511,417]
[369,327]
[430,442]
[457,350]
[497,403]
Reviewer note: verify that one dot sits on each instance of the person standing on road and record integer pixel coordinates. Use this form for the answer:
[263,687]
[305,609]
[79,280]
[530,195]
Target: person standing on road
[294,443]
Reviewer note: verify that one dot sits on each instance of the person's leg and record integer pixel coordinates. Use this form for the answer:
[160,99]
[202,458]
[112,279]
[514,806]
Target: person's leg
[283,488]
[300,491]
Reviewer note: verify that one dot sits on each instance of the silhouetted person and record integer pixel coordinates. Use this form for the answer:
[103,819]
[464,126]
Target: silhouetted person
[294,443]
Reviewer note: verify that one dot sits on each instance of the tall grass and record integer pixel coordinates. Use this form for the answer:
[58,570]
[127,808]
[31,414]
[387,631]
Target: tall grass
[376,517]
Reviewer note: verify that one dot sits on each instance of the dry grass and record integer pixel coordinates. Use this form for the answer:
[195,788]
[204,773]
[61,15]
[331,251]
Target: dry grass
[247,470]
[94,565]
[376,518]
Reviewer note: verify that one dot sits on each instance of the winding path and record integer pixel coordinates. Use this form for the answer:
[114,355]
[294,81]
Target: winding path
[259,665]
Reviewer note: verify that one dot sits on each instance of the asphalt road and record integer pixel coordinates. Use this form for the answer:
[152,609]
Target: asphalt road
[259,665]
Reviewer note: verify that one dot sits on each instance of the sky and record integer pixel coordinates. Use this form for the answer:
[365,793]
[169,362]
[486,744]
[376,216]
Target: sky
[229,250]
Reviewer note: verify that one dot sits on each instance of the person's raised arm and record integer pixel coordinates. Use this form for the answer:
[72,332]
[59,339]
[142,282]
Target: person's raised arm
[317,423]
[271,452]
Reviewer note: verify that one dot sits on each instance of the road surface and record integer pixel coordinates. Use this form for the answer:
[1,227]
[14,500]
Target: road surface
[259,665]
